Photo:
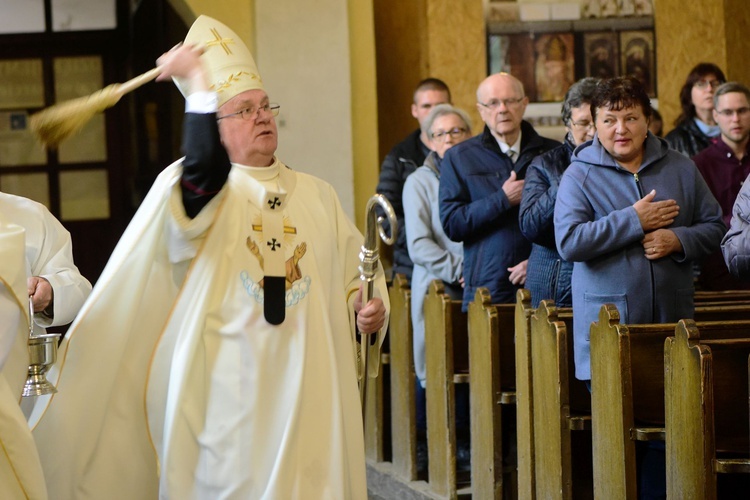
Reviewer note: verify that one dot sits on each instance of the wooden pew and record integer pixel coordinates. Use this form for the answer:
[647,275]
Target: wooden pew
[446,353]
[377,423]
[627,379]
[704,296]
[492,361]
[562,409]
[706,399]
[403,392]
[524,395]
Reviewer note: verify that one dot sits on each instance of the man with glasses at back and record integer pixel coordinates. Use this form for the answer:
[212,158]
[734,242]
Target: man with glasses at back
[725,164]
[480,190]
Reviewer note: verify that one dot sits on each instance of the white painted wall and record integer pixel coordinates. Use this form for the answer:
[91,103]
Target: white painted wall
[302,52]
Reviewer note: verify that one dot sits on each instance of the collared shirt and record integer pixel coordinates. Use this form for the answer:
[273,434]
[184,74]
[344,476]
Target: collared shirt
[709,130]
[513,151]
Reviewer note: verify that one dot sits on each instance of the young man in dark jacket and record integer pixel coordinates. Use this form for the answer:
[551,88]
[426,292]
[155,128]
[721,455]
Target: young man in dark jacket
[405,158]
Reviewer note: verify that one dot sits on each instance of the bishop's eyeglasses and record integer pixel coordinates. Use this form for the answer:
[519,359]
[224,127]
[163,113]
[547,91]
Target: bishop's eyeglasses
[253,113]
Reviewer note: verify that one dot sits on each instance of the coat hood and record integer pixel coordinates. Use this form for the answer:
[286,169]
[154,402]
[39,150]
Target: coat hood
[593,153]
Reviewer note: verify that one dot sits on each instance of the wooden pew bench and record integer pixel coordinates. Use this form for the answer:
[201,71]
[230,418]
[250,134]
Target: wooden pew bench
[627,378]
[706,399]
[562,409]
[524,396]
[446,353]
[377,428]
[403,379]
[493,387]
[737,296]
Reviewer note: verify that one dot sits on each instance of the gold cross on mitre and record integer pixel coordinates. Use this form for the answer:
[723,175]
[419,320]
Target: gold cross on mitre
[218,40]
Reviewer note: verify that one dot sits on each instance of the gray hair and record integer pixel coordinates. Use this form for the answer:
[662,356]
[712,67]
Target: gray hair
[443,110]
[728,88]
[578,94]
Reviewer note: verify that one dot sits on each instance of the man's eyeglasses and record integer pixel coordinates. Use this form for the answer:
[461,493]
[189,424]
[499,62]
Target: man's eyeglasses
[704,84]
[584,125]
[454,133]
[253,113]
[728,113]
[495,103]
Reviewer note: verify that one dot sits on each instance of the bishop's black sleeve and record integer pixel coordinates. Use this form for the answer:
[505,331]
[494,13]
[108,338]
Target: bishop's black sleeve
[206,166]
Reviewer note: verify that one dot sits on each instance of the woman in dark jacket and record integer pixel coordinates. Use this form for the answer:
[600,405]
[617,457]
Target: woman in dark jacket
[695,127]
[548,275]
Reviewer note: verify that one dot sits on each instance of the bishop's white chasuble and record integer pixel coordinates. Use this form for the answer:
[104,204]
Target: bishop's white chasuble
[199,395]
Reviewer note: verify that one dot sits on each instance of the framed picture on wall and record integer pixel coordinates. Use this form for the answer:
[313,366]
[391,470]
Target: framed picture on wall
[637,58]
[600,54]
[554,66]
[512,54]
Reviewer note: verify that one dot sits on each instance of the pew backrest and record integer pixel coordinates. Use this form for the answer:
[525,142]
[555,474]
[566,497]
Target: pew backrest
[524,396]
[446,352]
[706,394]
[403,392]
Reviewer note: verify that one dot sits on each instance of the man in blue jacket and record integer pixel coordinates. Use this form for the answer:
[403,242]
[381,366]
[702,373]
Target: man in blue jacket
[480,190]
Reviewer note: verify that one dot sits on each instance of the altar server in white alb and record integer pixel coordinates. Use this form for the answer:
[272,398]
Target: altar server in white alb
[56,286]
[36,265]
[216,357]
[20,470]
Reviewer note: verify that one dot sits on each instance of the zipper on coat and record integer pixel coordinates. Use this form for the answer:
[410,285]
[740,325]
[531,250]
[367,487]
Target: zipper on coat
[638,184]
[650,263]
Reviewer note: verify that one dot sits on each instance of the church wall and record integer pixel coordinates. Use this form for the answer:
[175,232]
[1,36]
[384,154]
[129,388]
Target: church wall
[736,30]
[682,42]
[457,50]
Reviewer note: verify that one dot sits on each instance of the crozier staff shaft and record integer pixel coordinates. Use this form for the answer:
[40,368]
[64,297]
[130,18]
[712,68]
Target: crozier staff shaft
[369,257]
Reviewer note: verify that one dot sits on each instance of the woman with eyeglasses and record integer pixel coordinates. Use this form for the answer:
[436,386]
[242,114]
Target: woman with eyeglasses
[695,127]
[435,256]
[548,275]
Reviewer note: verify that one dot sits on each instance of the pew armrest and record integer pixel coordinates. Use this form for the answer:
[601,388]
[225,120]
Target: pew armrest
[507,398]
[732,466]
[579,422]
[648,434]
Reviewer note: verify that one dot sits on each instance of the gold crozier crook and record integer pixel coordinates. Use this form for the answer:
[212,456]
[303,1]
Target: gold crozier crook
[368,257]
